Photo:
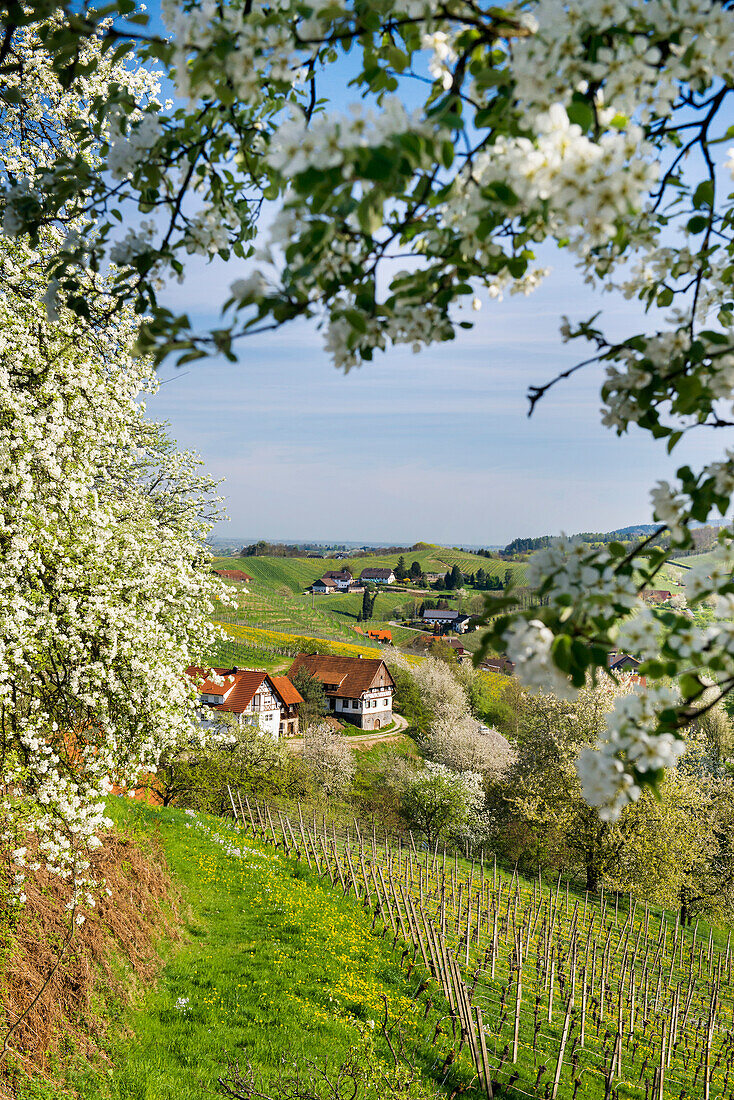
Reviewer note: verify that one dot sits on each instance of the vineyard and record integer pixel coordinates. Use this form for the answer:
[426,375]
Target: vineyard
[554,994]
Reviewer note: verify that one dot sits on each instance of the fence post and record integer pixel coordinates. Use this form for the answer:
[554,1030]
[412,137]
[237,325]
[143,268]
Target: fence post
[559,1063]
[483,1050]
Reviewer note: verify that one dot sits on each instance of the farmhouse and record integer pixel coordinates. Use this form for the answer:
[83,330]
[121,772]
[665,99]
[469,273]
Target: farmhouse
[270,702]
[232,574]
[622,662]
[359,689]
[446,618]
[343,579]
[656,595]
[324,586]
[377,576]
[501,664]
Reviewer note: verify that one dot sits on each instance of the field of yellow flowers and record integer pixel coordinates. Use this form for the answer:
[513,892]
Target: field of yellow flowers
[290,644]
[275,965]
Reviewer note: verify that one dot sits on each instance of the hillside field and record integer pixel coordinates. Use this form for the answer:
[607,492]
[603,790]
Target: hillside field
[276,600]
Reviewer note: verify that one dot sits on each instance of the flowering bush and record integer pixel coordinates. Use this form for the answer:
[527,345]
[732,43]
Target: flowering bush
[441,802]
[330,757]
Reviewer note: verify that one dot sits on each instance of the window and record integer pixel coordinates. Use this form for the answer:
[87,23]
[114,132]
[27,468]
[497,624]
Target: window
[256,702]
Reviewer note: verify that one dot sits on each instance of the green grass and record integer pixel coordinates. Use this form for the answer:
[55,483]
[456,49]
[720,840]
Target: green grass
[276,964]
[297,574]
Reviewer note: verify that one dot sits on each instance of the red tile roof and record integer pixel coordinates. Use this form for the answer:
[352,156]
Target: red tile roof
[286,690]
[246,682]
[233,574]
[348,677]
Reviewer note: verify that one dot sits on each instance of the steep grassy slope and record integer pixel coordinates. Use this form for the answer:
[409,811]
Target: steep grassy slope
[276,964]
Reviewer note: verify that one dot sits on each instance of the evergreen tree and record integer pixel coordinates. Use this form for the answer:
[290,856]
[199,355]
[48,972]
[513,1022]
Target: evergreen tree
[457,577]
[314,705]
[401,571]
[368,602]
[447,579]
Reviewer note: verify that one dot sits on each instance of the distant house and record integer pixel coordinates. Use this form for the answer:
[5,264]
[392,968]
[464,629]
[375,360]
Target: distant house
[343,579]
[324,586]
[377,576]
[447,619]
[380,636]
[270,702]
[501,664]
[431,578]
[655,595]
[359,689]
[453,644]
[232,574]
[622,662]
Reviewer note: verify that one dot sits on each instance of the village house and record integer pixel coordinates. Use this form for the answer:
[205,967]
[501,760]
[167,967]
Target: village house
[358,689]
[501,664]
[377,576]
[270,702]
[445,618]
[656,595]
[324,587]
[343,579]
[232,574]
[622,662]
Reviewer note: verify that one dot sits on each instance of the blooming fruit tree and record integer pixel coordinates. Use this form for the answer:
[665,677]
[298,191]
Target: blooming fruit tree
[105,582]
[479,132]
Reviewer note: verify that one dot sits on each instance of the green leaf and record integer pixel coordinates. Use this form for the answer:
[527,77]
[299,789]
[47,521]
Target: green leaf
[356,319]
[581,113]
[704,194]
[697,223]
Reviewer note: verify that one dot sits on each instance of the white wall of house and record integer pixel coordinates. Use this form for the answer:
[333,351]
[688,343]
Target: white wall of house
[374,703]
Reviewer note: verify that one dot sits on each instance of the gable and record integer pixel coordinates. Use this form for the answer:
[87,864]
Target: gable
[347,677]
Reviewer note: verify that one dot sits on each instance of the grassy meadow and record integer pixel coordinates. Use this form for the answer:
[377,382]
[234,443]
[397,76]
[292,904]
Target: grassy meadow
[275,964]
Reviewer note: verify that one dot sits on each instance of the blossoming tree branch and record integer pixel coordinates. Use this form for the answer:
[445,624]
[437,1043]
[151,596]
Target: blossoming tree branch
[601,125]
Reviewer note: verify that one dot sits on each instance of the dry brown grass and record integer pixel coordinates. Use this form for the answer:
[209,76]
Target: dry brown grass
[109,953]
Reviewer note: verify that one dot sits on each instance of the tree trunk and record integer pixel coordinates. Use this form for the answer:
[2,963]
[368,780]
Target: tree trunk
[592,876]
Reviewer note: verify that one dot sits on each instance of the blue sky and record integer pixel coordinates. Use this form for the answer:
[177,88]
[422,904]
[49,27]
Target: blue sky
[434,446]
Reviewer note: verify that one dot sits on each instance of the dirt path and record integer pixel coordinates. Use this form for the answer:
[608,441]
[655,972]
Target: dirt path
[363,741]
